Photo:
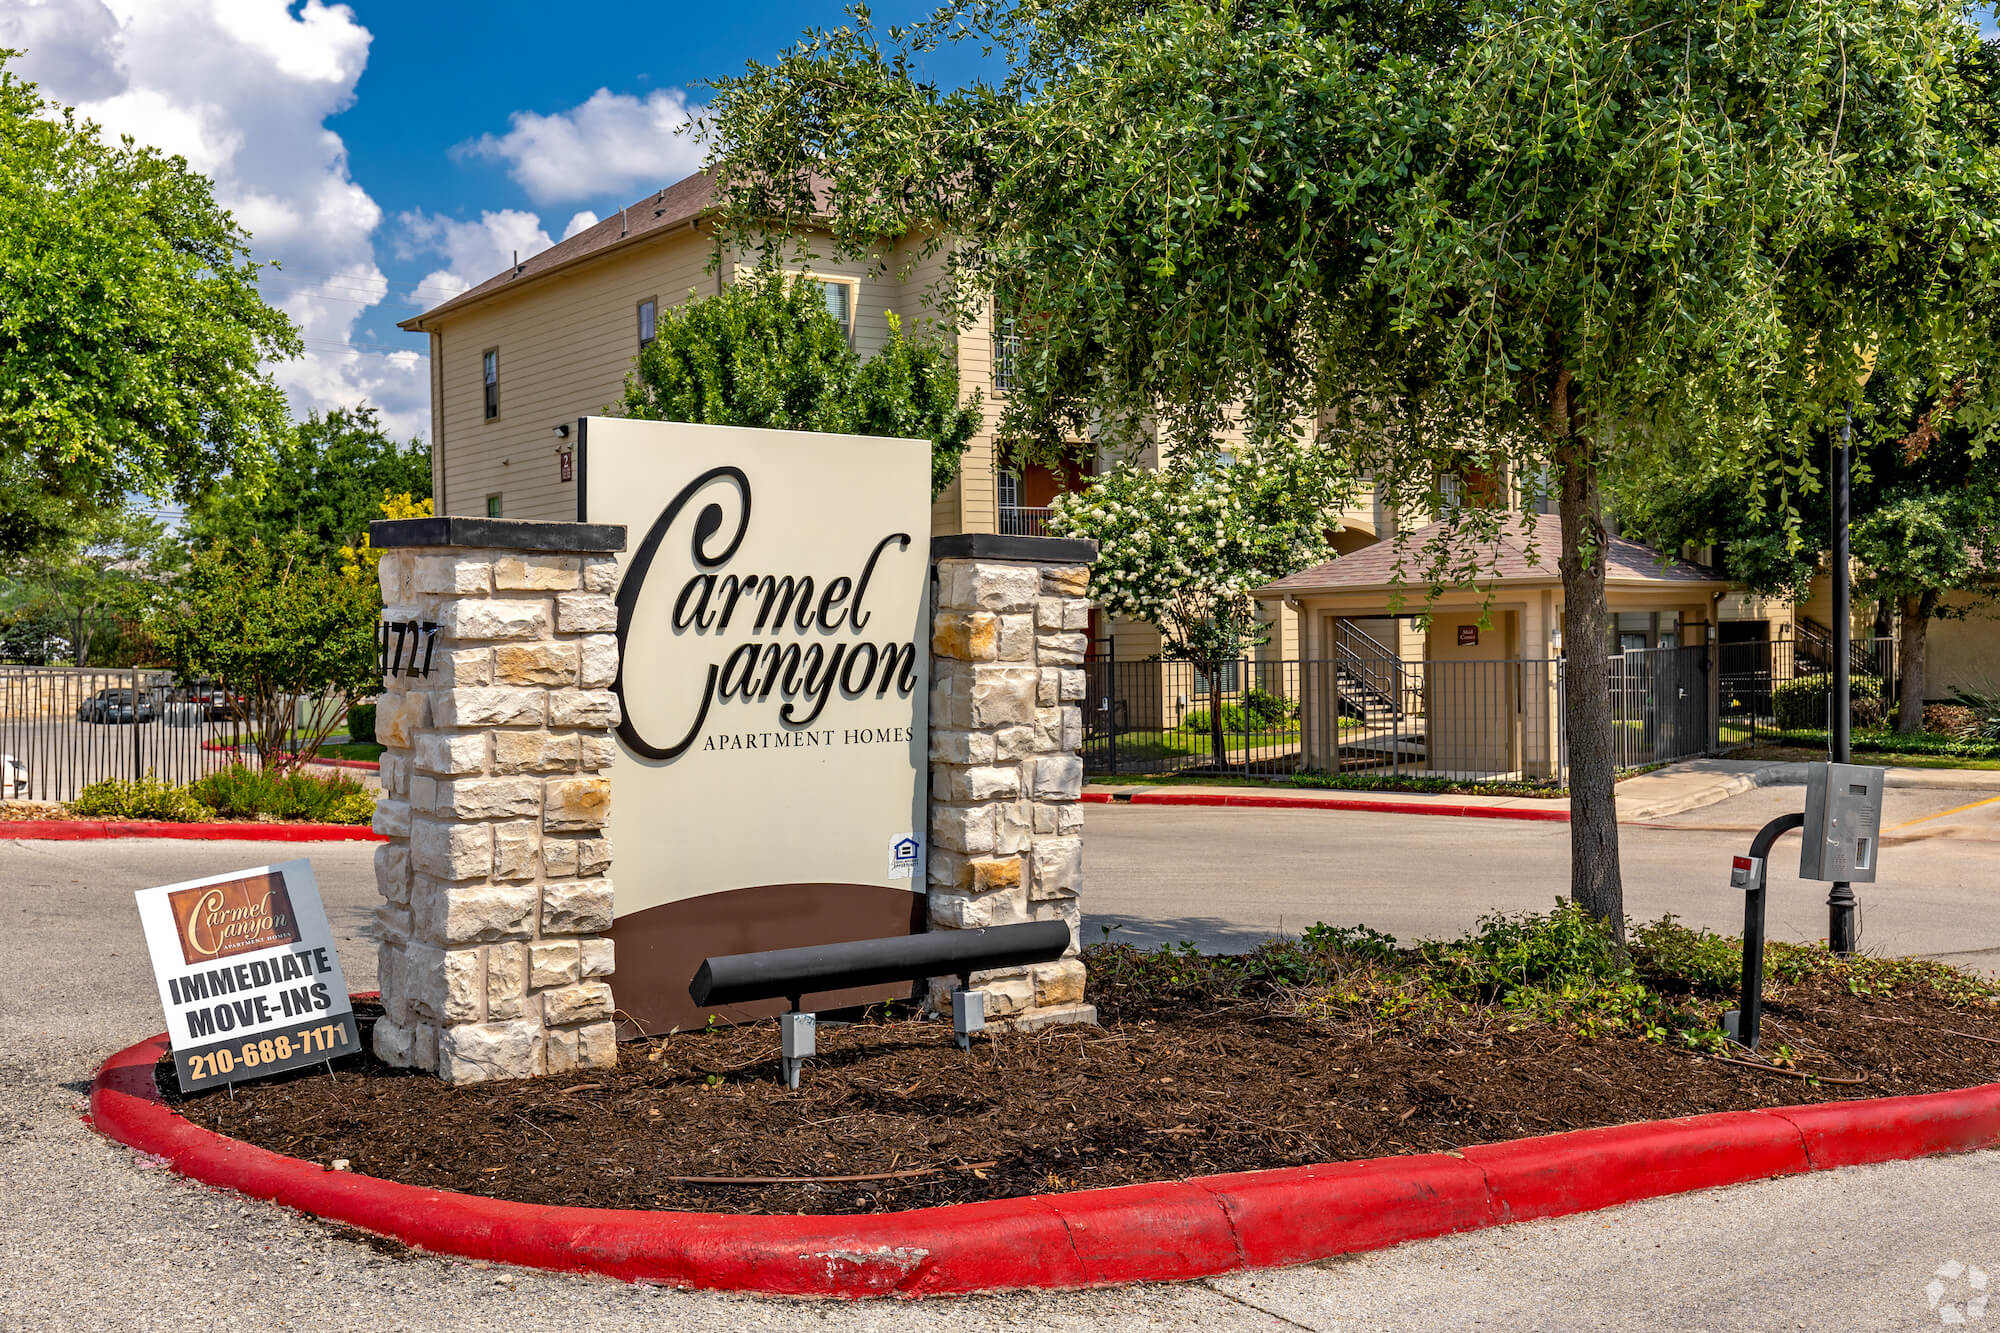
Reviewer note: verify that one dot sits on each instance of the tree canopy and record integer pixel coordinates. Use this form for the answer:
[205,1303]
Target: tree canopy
[1183,546]
[282,625]
[1555,227]
[325,477]
[132,336]
[765,351]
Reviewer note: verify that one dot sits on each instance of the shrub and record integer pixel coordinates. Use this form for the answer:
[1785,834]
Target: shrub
[1703,960]
[1868,711]
[143,798]
[361,722]
[1800,704]
[250,793]
[1269,709]
[1951,720]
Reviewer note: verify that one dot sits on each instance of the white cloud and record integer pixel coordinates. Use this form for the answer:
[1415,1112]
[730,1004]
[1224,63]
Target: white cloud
[581,222]
[243,90]
[473,251]
[613,144]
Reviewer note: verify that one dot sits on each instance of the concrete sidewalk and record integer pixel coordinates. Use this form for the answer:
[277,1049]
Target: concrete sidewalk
[1675,789]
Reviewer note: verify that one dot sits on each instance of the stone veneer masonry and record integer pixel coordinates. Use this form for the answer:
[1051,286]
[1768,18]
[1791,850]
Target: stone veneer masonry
[496,895]
[495,879]
[1007,687]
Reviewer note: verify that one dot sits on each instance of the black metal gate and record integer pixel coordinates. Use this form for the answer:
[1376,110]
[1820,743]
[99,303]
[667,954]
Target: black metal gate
[63,728]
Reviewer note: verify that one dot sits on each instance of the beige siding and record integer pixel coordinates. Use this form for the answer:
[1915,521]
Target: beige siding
[565,346]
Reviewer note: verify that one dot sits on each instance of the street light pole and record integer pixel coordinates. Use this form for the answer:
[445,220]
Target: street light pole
[1840,901]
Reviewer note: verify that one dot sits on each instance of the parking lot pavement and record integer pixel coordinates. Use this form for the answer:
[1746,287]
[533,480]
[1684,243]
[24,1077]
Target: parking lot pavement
[1229,878]
[93,1236]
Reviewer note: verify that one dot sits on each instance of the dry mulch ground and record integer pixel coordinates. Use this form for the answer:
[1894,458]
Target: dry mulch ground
[892,1116]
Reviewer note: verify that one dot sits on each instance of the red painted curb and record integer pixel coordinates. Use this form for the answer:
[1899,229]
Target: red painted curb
[1131,1233]
[84,830]
[1287,801]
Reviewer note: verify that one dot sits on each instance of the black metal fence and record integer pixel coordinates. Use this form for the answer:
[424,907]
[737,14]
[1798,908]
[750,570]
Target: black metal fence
[1495,720]
[1773,689]
[63,728]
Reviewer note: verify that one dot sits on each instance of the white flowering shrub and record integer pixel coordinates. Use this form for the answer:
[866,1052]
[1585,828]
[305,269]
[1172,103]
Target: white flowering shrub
[1182,547]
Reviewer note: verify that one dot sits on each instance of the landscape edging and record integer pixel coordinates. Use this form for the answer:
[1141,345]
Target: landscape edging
[84,830]
[1128,1233]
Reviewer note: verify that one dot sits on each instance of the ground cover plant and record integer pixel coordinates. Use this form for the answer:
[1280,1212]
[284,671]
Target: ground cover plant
[235,792]
[1342,1043]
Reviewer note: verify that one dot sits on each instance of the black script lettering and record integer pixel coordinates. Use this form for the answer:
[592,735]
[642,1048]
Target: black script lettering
[854,659]
[905,675]
[707,525]
[801,588]
[700,617]
[855,616]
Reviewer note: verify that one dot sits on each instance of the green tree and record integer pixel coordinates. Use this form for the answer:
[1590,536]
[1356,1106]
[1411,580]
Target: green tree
[98,575]
[1925,513]
[766,352]
[283,626]
[1554,227]
[325,478]
[1182,547]
[131,332]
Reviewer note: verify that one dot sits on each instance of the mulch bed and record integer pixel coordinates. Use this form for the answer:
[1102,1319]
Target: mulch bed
[892,1116]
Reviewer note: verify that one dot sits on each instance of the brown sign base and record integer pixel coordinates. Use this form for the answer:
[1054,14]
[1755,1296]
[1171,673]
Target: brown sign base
[659,949]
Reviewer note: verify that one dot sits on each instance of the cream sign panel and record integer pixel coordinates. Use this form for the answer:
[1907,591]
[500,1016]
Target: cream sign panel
[772,618]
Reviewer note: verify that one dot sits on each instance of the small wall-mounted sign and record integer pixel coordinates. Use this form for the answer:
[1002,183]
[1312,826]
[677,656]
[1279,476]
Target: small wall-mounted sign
[404,647]
[1468,636]
[566,455]
[248,974]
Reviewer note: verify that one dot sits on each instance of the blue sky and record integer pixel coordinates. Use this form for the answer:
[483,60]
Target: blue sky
[390,153]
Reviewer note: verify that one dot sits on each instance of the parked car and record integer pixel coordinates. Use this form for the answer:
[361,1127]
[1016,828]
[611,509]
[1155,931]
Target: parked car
[220,703]
[116,706]
[13,779]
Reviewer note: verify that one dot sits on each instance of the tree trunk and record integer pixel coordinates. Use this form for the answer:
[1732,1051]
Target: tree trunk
[1912,637]
[1594,880]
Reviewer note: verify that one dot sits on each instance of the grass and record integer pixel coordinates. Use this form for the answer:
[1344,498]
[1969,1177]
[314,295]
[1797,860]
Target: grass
[1794,754]
[367,750]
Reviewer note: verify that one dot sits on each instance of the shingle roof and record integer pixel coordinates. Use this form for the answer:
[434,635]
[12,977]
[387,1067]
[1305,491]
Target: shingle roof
[1517,555]
[662,209]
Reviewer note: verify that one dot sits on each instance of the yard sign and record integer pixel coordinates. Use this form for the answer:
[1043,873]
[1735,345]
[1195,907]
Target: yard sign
[248,974]
[771,780]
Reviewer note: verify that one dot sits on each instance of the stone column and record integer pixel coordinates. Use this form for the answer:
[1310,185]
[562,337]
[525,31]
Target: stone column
[1009,630]
[496,896]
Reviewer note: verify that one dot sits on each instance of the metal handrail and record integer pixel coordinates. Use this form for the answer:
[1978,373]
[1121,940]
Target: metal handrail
[1347,654]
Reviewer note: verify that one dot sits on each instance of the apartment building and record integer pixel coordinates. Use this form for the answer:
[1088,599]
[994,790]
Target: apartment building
[518,358]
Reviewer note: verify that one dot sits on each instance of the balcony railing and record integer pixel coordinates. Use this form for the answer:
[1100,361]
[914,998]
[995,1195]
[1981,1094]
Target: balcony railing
[1023,521]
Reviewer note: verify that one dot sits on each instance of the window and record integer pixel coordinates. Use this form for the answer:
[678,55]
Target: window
[1006,353]
[649,322]
[489,370]
[1636,631]
[1226,679]
[839,298]
[1010,490]
[492,506]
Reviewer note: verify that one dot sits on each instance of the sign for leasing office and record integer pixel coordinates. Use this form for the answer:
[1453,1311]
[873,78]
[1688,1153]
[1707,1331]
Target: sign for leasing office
[770,786]
[248,974]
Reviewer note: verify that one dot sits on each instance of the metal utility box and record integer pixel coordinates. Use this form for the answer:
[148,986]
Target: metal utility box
[1843,829]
